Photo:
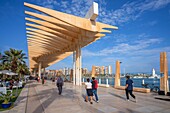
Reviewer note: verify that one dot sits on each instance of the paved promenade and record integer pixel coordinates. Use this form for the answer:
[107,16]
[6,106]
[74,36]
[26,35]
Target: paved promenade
[45,99]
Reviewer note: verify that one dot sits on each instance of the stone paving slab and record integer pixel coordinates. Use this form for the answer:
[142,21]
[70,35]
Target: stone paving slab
[47,100]
[111,101]
[33,104]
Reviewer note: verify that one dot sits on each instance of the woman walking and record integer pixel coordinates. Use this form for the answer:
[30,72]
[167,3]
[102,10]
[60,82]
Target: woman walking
[88,87]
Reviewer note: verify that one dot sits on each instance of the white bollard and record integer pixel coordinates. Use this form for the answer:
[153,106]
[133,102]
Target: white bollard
[143,81]
[107,81]
[99,80]
[167,86]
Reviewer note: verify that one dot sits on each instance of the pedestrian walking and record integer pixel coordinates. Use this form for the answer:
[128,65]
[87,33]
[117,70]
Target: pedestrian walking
[43,81]
[59,84]
[88,87]
[129,88]
[94,88]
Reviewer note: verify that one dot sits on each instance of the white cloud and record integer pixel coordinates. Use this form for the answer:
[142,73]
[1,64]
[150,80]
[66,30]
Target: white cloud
[143,60]
[75,7]
[88,53]
[130,11]
[152,23]
[139,46]
[128,48]
[143,35]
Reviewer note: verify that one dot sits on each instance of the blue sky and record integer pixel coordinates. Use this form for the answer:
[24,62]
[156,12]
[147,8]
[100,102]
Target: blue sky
[144,31]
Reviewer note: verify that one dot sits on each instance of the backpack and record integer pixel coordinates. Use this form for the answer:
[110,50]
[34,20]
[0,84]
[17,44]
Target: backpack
[59,80]
[95,84]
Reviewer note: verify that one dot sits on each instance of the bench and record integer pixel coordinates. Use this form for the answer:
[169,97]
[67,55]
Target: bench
[136,89]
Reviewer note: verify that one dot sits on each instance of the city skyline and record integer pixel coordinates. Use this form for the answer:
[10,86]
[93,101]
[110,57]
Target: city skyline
[143,32]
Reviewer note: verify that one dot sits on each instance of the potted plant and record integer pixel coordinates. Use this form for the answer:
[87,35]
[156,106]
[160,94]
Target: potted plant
[6,98]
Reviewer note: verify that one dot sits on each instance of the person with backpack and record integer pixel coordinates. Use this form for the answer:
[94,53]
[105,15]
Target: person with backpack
[94,88]
[59,84]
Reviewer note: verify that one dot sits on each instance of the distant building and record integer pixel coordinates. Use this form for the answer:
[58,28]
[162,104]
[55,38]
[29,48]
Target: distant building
[96,70]
[110,70]
[84,71]
[106,70]
[102,69]
[51,72]
[93,70]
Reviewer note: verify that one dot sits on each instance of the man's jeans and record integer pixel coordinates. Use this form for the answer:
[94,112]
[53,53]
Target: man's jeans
[95,93]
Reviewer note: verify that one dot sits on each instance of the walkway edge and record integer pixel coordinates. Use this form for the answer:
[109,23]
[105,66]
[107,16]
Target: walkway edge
[40,100]
[21,102]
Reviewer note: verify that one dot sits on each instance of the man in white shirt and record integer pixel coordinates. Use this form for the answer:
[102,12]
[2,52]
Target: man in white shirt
[88,86]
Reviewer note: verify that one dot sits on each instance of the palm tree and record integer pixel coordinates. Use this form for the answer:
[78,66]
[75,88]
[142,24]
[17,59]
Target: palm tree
[1,62]
[22,70]
[14,58]
[5,66]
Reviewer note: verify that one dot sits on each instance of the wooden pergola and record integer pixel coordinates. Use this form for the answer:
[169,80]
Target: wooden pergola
[54,35]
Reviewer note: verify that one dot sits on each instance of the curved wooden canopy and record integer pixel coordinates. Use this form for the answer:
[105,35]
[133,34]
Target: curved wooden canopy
[54,36]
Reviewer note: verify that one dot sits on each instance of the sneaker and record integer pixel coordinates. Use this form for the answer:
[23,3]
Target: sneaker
[91,102]
[85,100]
[97,101]
[135,100]
[127,100]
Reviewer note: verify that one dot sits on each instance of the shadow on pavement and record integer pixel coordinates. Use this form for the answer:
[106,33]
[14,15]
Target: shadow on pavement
[121,97]
[52,95]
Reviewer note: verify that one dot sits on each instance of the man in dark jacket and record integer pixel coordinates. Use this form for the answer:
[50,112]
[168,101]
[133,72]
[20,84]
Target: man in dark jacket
[60,83]
[129,88]
[94,88]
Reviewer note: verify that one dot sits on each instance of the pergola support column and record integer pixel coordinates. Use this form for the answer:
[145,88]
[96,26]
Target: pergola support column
[43,72]
[74,68]
[164,86]
[34,72]
[117,75]
[39,69]
[78,63]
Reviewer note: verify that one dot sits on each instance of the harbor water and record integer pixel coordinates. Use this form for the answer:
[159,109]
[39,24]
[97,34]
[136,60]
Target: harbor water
[151,82]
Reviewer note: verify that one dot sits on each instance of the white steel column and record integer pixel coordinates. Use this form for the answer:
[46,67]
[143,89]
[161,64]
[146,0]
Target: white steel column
[77,64]
[80,66]
[74,68]
[39,69]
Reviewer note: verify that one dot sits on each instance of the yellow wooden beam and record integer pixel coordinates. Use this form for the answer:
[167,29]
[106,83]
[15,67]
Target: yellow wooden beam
[47,26]
[78,22]
[48,35]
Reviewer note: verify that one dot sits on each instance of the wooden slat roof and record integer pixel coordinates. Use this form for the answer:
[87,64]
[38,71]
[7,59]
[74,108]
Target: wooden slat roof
[54,36]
